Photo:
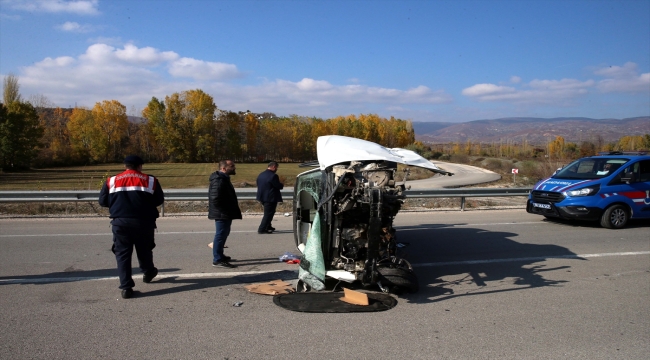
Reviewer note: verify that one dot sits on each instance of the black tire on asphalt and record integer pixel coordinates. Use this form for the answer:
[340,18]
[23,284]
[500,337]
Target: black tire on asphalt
[398,279]
[615,217]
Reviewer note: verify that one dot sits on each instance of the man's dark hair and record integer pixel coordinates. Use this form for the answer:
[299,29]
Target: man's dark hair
[131,162]
[272,164]
[224,163]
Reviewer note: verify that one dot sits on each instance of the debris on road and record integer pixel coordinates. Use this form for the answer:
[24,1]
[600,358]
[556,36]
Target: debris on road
[287,256]
[355,297]
[274,287]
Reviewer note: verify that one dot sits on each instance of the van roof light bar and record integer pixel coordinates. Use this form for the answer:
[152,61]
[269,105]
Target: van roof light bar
[638,152]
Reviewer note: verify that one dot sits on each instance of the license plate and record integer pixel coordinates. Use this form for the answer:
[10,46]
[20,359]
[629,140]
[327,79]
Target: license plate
[542,206]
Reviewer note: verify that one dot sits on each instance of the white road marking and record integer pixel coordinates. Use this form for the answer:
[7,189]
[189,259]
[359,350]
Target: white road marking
[255,231]
[110,234]
[160,276]
[37,280]
[535,258]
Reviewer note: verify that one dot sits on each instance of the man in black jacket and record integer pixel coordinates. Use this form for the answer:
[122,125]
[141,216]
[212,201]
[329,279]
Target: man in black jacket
[268,193]
[132,198]
[223,208]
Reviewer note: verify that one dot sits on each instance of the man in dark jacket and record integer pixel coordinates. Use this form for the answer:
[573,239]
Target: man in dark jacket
[131,198]
[223,208]
[268,193]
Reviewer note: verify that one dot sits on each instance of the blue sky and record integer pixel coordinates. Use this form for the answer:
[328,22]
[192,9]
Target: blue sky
[451,61]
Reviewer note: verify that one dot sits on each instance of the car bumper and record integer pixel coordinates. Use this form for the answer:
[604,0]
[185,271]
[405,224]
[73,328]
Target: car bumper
[573,212]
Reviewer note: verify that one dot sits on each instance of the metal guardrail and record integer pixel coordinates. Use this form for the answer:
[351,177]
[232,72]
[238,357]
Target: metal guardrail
[246,194]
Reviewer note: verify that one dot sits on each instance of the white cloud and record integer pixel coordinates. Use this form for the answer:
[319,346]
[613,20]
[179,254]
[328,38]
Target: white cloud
[132,75]
[10,17]
[113,41]
[482,90]
[71,26]
[625,79]
[144,56]
[536,91]
[203,70]
[80,7]
[323,92]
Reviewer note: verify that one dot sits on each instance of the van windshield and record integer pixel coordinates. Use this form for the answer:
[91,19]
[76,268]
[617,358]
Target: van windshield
[590,168]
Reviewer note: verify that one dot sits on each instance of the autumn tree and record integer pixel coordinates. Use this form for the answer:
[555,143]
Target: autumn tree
[252,126]
[630,143]
[230,135]
[56,140]
[20,130]
[184,125]
[11,90]
[556,148]
[82,133]
[110,125]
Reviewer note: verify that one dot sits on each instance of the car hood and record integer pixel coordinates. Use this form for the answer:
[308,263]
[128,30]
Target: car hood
[560,185]
[334,149]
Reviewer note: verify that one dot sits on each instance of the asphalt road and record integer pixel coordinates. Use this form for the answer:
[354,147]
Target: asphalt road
[463,175]
[494,284]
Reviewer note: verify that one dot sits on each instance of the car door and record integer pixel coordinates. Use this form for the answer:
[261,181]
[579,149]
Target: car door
[632,185]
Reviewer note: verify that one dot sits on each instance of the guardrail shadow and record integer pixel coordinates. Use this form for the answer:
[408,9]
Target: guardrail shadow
[69,276]
[452,262]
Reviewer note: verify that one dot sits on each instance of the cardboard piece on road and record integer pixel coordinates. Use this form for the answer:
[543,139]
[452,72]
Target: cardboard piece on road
[355,297]
[274,287]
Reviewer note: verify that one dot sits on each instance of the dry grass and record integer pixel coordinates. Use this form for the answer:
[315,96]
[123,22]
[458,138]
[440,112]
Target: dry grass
[171,176]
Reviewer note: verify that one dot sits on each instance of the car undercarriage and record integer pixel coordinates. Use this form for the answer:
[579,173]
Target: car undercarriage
[343,222]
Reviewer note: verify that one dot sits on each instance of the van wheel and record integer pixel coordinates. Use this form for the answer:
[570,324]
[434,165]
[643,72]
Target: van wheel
[615,217]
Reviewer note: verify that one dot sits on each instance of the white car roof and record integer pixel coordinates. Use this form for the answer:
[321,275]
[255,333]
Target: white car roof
[335,149]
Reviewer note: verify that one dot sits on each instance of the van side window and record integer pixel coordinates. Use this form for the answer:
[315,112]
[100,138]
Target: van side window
[644,171]
[634,168]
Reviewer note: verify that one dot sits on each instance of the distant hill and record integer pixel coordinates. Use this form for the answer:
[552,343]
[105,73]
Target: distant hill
[532,130]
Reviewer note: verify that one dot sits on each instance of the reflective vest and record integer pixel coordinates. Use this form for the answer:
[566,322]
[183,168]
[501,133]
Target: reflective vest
[131,180]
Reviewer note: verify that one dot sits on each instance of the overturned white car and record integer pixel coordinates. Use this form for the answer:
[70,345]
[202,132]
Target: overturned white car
[343,215]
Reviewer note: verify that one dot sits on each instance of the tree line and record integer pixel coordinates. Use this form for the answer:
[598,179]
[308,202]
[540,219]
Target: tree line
[183,127]
[554,149]
[188,127]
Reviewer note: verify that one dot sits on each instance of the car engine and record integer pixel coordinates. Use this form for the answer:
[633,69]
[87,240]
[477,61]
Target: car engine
[364,202]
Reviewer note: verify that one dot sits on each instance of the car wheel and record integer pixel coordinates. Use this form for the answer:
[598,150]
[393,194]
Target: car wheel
[398,279]
[615,217]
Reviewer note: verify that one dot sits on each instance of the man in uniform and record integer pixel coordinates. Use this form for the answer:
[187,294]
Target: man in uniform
[132,198]
[268,193]
[223,208]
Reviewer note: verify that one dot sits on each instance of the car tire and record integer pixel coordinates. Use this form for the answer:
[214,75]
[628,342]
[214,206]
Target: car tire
[398,279]
[615,217]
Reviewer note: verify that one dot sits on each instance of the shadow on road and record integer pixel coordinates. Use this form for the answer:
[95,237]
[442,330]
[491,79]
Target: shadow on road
[454,261]
[69,276]
[632,223]
[195,284]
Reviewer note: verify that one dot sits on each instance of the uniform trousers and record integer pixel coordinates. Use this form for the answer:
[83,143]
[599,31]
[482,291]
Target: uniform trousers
[124,239]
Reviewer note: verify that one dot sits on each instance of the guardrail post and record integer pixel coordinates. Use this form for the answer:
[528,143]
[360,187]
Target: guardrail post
[462,203]
[162,209]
